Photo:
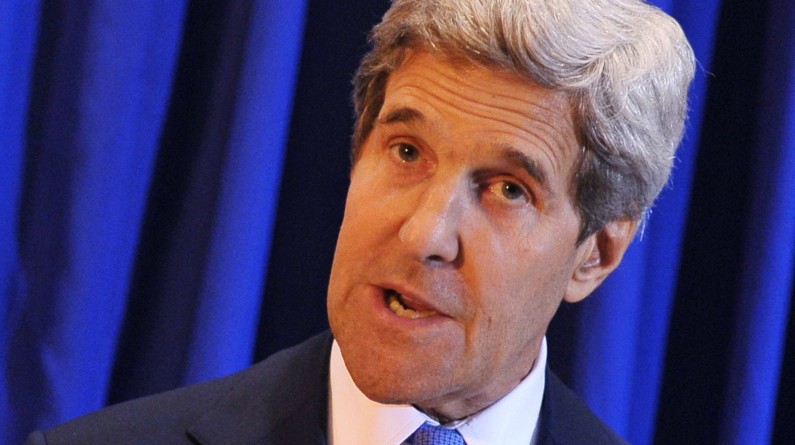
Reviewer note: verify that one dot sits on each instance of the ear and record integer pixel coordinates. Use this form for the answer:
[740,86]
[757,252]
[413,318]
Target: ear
[599,255]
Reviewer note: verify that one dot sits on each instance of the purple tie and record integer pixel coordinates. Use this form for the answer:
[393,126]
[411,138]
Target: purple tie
[428,434]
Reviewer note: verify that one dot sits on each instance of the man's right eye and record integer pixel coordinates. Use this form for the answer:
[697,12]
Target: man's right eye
[406,152]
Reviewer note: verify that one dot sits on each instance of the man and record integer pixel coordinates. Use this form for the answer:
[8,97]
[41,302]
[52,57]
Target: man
[504,153]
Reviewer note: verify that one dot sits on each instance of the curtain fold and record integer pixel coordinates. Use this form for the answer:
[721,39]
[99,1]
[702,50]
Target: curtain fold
[88,101]
[85,181]
[766,286]
[18,27]
[249,187]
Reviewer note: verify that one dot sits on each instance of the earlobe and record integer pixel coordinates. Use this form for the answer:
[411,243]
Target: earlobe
[601,253]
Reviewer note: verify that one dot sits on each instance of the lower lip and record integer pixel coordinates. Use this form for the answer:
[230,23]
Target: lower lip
[385,314]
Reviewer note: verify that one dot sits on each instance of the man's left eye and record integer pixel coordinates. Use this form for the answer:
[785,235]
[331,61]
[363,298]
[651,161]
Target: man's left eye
[510,191]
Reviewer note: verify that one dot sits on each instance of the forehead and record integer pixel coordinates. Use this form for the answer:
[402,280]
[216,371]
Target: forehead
[486,108]
[439,69]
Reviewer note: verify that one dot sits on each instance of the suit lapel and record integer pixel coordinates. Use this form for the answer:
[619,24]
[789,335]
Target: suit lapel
[282,400]
[545,427]
[566,420]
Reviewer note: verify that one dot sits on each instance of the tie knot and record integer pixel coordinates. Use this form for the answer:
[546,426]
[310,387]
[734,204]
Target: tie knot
[429,434]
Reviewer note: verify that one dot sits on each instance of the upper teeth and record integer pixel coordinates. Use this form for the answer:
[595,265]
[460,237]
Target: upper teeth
[396,305]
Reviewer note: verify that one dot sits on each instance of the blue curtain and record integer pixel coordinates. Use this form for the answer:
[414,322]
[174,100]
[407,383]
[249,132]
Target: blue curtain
[172,179]
[142,147]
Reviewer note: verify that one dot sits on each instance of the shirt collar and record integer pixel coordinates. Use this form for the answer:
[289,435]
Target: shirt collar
[356,420]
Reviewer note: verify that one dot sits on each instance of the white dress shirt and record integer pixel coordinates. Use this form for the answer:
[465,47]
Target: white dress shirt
[356,420]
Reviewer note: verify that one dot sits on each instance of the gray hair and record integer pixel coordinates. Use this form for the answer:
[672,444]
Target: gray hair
[625,66]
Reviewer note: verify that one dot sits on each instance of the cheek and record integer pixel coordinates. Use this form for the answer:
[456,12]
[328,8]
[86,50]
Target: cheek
[347,252]
[523,286]
[361,207]
[368,196]
[363,234]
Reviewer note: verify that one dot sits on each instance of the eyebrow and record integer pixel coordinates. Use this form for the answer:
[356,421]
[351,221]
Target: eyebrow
[526,163]
[402,115]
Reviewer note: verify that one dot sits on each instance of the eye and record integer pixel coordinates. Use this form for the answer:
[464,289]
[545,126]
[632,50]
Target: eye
[406,152]
[509,191]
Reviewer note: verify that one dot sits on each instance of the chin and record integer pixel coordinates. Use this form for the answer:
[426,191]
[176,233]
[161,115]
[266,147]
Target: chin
[393,391]
[397,382]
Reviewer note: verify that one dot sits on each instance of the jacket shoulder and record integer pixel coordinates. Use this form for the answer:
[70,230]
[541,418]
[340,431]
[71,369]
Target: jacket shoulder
[566,419]
[237,404]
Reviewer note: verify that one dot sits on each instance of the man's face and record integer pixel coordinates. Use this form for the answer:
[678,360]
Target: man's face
[458,214]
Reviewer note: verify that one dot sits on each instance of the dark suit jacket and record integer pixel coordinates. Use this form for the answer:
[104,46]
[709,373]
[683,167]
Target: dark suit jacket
[280,401]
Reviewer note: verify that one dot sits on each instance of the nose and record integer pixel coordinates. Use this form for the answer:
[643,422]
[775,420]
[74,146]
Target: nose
[431,232]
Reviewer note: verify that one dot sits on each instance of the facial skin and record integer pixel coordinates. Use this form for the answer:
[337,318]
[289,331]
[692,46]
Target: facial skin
[461,202]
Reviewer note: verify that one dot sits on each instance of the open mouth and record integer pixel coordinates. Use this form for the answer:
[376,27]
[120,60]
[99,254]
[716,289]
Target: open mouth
[398,305]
